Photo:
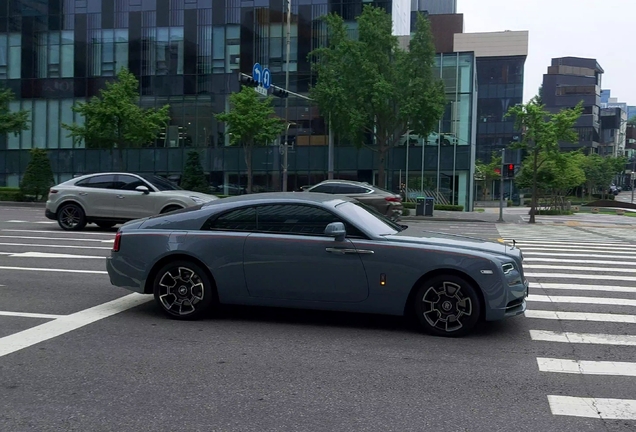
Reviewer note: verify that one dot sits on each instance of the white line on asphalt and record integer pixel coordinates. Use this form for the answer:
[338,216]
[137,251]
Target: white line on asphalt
[574,261]
[57,239]
[580,276]
[580,316]
[30,315]
[54,270]
[37,222]
[579,268]
[584,367]
[60,232]
[605,409]
[55,246]
[51,329]
[579,287]
[569,243]
[528,254]
[48,255]
[583,338]
[582,300]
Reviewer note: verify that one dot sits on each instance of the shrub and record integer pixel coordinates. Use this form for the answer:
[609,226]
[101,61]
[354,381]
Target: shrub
[10,194]
[448,207]
[193,178]
[38,177]
[554,212]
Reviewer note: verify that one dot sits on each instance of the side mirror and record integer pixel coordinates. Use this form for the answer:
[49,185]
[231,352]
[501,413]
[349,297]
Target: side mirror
[336,230]
[143,189]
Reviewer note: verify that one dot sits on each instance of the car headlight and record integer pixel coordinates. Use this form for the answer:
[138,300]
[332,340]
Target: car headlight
[508,268]
[197,200]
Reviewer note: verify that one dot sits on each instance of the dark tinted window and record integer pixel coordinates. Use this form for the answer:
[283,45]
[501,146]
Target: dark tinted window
[347,189]
[326,188]
[127,182]
[237,220]
[294,219]
[161,183]
[106,181]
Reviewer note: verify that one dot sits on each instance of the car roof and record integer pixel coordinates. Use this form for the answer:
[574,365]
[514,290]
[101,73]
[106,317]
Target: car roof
[282,197]
[351,182]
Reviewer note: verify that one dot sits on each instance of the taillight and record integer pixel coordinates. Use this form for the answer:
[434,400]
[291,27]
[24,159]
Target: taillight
[52,191]
[117,242]
[394,199]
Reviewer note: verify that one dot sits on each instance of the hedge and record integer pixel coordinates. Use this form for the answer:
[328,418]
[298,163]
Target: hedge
[448,207]
[11,194]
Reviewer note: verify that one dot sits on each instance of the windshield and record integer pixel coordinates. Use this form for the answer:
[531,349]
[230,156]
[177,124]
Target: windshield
[369,218]
[161,183]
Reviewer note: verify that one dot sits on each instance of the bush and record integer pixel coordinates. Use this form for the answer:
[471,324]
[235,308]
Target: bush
[554,212]
[448,207]
[38,177]
[406,212]
[193,178]
[409,205]
[11,194]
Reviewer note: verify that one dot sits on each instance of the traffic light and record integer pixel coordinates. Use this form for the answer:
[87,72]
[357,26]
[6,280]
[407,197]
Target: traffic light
[510,170]
[498,171]
[279,92]
[248,81]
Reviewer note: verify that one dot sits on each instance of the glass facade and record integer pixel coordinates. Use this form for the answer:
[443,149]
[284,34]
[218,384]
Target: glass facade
[187,53]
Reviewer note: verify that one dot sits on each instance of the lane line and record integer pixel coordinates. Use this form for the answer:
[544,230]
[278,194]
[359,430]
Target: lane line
[584,367]
[578,268]
[56,246]
[51,329]
[54,270]
[49,255]
[574,261]
[580,276]
[579,287]
[580,316]
[34,222]
[59,232]
[569,243]
[582,300]
[30,315]
[604,409]
[527,254]
[583,338]
[576,249]
[56,239]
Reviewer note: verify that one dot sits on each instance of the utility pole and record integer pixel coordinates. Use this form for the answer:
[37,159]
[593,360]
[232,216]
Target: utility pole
[501,185]
[633,177]
[287,52]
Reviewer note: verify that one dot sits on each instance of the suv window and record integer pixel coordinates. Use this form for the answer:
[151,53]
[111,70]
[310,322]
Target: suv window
[236,220]
[128,182]
[326,188]
[347,189]
[106,181]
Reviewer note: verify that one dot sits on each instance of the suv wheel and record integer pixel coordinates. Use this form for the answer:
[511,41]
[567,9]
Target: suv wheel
[71,217]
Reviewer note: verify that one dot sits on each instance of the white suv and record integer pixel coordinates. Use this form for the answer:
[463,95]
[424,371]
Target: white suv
[107,199]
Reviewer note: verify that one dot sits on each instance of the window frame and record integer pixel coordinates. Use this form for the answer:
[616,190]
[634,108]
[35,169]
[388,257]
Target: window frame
[137,178]
[88,181]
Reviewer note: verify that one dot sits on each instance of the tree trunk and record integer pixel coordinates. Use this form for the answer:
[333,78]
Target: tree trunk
[533,206]
[382,151]
[247,151]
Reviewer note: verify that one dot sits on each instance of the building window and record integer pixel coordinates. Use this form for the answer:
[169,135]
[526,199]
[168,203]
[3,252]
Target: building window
[55,54]
[165,51]
[109,52]
[226,48]
[277,41]
[10,55]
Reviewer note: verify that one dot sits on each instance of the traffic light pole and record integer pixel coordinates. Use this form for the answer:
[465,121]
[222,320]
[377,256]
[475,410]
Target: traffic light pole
[501,185]
[633,177]
[287,51]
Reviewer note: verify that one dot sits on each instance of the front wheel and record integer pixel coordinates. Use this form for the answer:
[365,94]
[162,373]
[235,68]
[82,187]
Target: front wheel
[447,305]
[71,217]
[183,290]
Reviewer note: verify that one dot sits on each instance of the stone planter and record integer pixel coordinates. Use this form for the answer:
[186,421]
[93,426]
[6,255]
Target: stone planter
[595,210]
[576,208]
[620,212]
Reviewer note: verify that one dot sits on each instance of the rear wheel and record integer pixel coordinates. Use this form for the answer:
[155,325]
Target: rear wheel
[183,290]
[447,305]
[71,217]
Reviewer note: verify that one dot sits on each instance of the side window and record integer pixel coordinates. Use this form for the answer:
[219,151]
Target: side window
[357,190]
[293,219]
[326,188]
[106,181]
[237,220]
[127,182]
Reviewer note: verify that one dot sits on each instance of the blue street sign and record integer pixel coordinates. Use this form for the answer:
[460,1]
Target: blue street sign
[267,79]
[257,73]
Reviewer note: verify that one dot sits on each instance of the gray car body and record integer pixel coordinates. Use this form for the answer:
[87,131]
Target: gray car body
[292,270]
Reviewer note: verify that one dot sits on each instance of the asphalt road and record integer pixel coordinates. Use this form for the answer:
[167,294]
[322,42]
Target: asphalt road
[251,369]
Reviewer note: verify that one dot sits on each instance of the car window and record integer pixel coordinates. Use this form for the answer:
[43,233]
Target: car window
[106,181]
[243,219]
[348,189]
[161,183]
[326,188]
[128,182]
[369,218]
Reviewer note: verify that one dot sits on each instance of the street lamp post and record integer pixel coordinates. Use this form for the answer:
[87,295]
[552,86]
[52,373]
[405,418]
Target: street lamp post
[633,177]
[287,52]
[501,185]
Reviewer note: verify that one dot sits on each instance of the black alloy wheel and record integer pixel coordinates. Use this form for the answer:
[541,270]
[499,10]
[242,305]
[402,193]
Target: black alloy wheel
[183,290]
[71,217]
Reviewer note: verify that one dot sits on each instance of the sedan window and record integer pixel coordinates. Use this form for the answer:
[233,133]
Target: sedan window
[369,218]
[243,219]
[324,188]
[298,219]
[106,181]
[128,182]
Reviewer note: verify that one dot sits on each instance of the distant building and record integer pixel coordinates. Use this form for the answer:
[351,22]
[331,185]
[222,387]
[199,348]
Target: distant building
[435,7]
[613,132]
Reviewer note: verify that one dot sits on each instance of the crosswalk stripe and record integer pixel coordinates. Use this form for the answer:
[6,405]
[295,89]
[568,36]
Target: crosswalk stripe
[575,287]
[578,268]
[584,367]
[583,300]
[605,409]
[580,316]
[55,246]
[573,261]
[569,243]
[583,338]
[580,276]
[538,248]
[528,254]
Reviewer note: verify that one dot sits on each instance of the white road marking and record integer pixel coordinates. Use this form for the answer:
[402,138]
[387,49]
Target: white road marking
[579,268]
[49,255]
[580,276]
[580,316]
[55,246]
[57,239]
[578,249]
[583,338]
[583,300]
[605,409]
[580,287]
[54,270]
[30,315]
[584,367]
[576,261]
[37,222]
[568,244]
[59,232]
[557,256]
[51,329]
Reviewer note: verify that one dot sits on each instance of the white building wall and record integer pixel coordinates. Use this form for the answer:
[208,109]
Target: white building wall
[401,14]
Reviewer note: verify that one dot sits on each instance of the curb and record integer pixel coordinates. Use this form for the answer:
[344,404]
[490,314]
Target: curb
[441,219]
[22,204]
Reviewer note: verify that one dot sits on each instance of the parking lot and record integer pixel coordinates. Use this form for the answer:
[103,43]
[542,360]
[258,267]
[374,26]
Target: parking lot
[79,354]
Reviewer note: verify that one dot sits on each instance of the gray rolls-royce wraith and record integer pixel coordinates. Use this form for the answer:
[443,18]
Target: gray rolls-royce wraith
[316,251]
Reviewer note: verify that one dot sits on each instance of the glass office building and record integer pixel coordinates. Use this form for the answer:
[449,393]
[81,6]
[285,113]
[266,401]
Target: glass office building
[187,53]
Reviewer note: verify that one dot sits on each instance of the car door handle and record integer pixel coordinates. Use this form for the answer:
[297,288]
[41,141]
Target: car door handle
[120,196]
[344,251]
[83,193]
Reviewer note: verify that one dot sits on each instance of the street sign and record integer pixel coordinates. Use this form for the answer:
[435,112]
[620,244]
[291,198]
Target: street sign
[257,73]
[267,79]
[261,90]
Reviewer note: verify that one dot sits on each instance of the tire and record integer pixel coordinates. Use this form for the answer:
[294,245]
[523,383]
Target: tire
[105,225]
[447,305]
[183,290]
[71,217]
[170,209]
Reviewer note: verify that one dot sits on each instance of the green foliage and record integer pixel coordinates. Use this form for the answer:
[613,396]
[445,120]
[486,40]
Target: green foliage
[632,121]
[486,172]
[38,177]
[193,178]
[11,194]
[115,120]
[449,207]
[558,173]
[11,122]
[599,171]
[251,122]
[542,133]
[370,86]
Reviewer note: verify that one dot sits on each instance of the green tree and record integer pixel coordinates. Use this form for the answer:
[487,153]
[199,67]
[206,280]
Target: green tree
[488,172]
[115,120]
[600,171]
[250,123]
[371,87]
[193,178]
[11,122]
[632,121]
[38,177]
[542,133]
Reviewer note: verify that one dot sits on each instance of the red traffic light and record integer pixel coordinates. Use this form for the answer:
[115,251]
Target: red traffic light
[511,167]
